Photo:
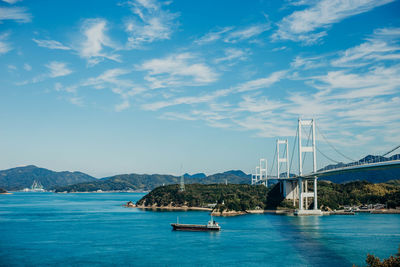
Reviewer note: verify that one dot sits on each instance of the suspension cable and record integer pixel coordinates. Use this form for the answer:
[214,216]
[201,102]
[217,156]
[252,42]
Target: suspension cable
[308,141]
[391,151]
[326,140]
[327,157]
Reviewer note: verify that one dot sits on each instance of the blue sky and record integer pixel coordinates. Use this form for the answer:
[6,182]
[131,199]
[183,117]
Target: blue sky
[144,86]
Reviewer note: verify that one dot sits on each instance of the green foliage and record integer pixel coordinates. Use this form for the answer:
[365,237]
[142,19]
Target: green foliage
[238,197]
[373,261]
[357,193]
[146,182]
[23,177]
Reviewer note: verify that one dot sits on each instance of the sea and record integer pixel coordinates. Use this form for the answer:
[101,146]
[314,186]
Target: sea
[94,229]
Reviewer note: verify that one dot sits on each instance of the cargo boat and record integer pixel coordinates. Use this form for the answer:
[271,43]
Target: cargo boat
[211,226]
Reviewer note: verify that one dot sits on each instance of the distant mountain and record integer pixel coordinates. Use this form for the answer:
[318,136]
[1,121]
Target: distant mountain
[23,177]
[147,182]
[196,175]
[370,175]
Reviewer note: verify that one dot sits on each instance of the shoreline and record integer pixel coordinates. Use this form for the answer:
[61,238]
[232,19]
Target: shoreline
[231,213]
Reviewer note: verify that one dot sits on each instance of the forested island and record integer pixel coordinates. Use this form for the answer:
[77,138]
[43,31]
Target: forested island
[242,198]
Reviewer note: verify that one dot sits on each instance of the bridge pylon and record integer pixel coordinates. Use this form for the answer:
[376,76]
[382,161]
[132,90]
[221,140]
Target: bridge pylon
[303,181]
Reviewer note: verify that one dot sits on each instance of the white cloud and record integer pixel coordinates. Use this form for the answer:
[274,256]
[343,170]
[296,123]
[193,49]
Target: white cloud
[27,67]
[233,54]
[11,2]
[308,26]
[187,100]
[152,23]
[307,63]
[381,46]
[124,105]
[378,81]
[213,36]
[177,70]
[18,14]
[123,87]
[246,33]
[95,41]
[51,44]
[78,101]
[261,82]
[5,46]
[58,69]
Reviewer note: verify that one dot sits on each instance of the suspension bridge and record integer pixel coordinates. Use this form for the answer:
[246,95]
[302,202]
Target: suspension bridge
[296,187]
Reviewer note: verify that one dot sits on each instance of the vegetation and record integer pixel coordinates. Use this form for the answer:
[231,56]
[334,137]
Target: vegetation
[2,191]
[246,197]
[357,193]
[23,177]
[146,182]
[392,261]
[226,197]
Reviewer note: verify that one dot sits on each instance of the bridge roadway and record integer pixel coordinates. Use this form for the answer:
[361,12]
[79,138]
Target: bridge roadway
[356,168]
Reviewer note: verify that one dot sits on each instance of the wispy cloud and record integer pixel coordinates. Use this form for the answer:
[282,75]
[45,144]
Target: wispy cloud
[261,82]
[382,45]
[27,67]
[95,40]
[112,79]
[233,34]
[5,46]
[55,69]
[233,54]
[11,2]
[177,70]
[309,26]
[213,36]
[246,33]
[58,69]
[18,14]
[51,44]
[187,100]
[152,23]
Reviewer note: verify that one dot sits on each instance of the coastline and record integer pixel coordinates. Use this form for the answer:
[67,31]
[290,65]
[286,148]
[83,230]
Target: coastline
[230,213]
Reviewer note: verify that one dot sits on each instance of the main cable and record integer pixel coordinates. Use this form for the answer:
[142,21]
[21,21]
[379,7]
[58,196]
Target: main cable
[326,140]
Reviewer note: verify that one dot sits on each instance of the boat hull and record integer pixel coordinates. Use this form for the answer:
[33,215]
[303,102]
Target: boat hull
[194,227]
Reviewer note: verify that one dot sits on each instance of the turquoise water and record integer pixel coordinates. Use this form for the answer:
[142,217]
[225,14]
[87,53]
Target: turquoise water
[94,229]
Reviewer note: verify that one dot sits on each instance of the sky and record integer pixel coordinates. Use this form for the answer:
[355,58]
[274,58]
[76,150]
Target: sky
[146,86]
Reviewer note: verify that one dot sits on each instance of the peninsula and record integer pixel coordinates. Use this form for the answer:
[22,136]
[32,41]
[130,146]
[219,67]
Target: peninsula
[237,199]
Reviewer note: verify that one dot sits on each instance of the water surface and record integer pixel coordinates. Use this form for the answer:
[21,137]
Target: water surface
[94,229]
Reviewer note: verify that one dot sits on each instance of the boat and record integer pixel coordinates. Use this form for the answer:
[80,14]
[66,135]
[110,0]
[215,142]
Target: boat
[36,187]
[211,226]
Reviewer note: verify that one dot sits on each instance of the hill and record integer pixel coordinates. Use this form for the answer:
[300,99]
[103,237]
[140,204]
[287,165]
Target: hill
[147,182]
[196,175]
[240,197]
[23,177]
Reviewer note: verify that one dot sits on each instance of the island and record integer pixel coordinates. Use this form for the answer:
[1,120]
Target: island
[238,199]
[4,192]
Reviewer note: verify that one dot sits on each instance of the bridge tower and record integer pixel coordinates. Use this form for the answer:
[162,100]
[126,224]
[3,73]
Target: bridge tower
[288,187]
[263,171]
[303,182]
[282,160]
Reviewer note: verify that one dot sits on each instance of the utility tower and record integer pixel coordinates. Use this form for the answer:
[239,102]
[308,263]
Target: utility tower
[182,185]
